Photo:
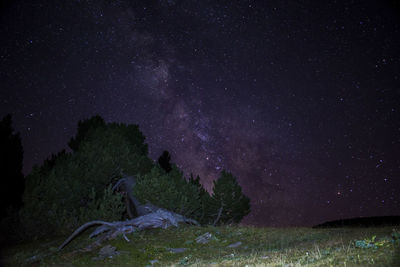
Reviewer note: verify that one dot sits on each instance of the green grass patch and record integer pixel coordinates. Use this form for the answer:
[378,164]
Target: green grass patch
[259,247]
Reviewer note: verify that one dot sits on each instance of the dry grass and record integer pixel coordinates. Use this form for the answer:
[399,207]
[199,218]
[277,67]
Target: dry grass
[260,247]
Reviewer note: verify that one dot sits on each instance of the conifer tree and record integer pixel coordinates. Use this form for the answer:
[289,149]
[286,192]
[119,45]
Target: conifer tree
[84,128]
[170,191]
[164,161]
[228,203]
[11,177]
[76,184]
[205,200]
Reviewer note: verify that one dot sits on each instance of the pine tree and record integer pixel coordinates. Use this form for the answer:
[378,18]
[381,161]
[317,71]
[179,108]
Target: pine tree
[170,191]
[205,200]
[11,155]
[229,204]
[164,161]
[84,128]
[71,185]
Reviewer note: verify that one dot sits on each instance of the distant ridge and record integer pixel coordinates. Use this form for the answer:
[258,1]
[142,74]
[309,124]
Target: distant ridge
[362,222]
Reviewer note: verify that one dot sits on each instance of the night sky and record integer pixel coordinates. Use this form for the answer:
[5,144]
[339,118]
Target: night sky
[298,99]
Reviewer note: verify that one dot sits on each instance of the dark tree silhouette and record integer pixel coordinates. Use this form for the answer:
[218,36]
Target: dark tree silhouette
[229,203]
[205,200]
[11,177]
[49,163]
[72,187]
[164,161]
[84,127]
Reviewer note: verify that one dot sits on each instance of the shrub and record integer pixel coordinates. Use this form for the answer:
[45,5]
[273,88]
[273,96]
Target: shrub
[205,201]
[228,203]
[170,191]
[75,187]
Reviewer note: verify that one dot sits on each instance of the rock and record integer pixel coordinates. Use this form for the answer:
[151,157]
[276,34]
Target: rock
[235,245]
[33,261]
[177,250]
[106,252]
[203,239]
[153,261]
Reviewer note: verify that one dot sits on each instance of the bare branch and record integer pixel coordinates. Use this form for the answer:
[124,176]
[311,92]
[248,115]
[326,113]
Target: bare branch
[219,215]
[81,229]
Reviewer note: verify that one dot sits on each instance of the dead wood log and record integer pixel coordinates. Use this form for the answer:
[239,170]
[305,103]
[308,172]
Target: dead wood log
[150,216]
[125,185]
[161,218]
[81,229]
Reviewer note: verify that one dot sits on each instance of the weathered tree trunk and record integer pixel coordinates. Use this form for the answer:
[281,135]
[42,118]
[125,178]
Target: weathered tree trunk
[159,219]
[125,185]
[219,214]
[150,216]
[81,229]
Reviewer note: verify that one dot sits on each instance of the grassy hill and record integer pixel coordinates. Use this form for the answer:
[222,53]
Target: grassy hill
[377,221]
[257,247]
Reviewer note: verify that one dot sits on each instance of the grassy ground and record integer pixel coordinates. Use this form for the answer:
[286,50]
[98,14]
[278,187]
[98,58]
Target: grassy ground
[260,247]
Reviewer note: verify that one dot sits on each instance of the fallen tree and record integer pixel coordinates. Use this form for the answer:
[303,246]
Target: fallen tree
[150,216]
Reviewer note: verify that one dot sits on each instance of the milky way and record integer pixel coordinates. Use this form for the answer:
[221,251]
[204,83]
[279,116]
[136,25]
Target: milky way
[298,100]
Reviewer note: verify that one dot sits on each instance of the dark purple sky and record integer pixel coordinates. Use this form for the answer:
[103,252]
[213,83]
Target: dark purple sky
[298,99]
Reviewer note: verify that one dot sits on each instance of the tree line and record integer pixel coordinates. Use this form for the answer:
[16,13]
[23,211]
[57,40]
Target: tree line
[70,188]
